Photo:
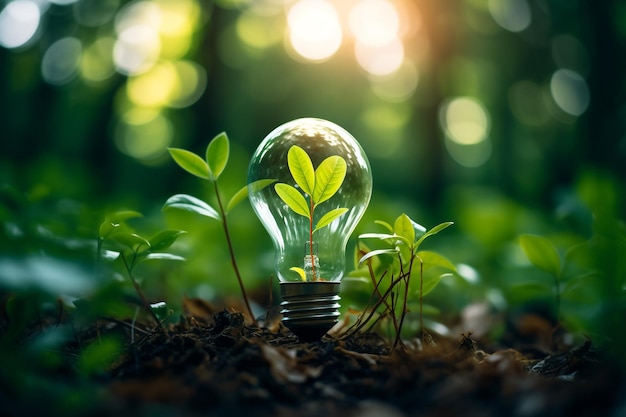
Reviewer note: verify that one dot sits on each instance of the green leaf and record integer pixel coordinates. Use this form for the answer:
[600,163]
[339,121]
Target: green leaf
[292,197]
[382,236]
[328,178]
[299,271]
[129,240]
[376,253]
[418,227]
[435,260]
[329,217]
[160,309]
[432,232]
[301,169]
[385,225]
[191,163]
[162,256]
[541,253]
[217,154]
[404,227]
[192,204]
[385,236]
[242,194]
[164,239]
[432,280]
[109,255]
[115,220]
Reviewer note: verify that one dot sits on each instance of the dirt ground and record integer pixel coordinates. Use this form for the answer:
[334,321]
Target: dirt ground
[214,364]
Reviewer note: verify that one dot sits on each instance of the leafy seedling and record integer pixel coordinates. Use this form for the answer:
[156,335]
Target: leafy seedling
[132,249]
[402,242]
[317,185]
[210,169]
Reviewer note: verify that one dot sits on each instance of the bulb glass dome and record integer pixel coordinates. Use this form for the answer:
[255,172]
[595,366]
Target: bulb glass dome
[292,233]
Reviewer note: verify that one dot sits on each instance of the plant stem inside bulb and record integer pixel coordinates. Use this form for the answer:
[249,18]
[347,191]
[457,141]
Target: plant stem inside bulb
[311,261]
[312,247]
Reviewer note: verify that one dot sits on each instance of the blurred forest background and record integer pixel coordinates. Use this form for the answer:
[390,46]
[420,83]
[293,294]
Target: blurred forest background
[504,116]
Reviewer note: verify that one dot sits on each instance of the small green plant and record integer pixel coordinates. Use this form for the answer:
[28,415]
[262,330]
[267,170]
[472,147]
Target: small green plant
[391,277]
[318,185]
[118,241]
[210,169]
[543,255]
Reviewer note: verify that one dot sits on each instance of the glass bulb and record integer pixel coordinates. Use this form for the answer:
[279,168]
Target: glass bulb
[310,253]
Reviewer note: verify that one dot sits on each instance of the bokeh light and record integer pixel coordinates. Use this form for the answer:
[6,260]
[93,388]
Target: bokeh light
[94,13]
[469,156]
[380,60]
[374,22]
[314,29]
[568,52]
[178,20]
[61,60]
[259,31]
[97,60]
[143,134]
[570,92]
[19,21]
[138,43]
[398,86]
[512,15]
[465,120]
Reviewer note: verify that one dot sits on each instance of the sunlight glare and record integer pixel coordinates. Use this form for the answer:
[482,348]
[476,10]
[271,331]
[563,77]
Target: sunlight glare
[314,29]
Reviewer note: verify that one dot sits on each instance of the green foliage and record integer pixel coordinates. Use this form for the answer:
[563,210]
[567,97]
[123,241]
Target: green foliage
[99,355]
[211,168]
[318,184]
[391,277]
[121,242]
[541,253]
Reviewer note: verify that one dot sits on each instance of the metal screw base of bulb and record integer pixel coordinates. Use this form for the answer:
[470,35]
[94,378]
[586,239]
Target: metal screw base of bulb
[310,309]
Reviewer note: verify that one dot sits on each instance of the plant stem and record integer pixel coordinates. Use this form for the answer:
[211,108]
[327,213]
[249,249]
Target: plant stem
[145,302]
[421,297]
[232,254]
[558,299]
[311,240]
[407,278]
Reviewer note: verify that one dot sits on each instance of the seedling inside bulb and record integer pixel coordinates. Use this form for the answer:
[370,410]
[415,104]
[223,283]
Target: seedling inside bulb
[318,185]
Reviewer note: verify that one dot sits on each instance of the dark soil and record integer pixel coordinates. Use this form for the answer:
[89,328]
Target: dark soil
[214,364]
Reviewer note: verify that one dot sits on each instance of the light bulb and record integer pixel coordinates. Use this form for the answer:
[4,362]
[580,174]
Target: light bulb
[309,250]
